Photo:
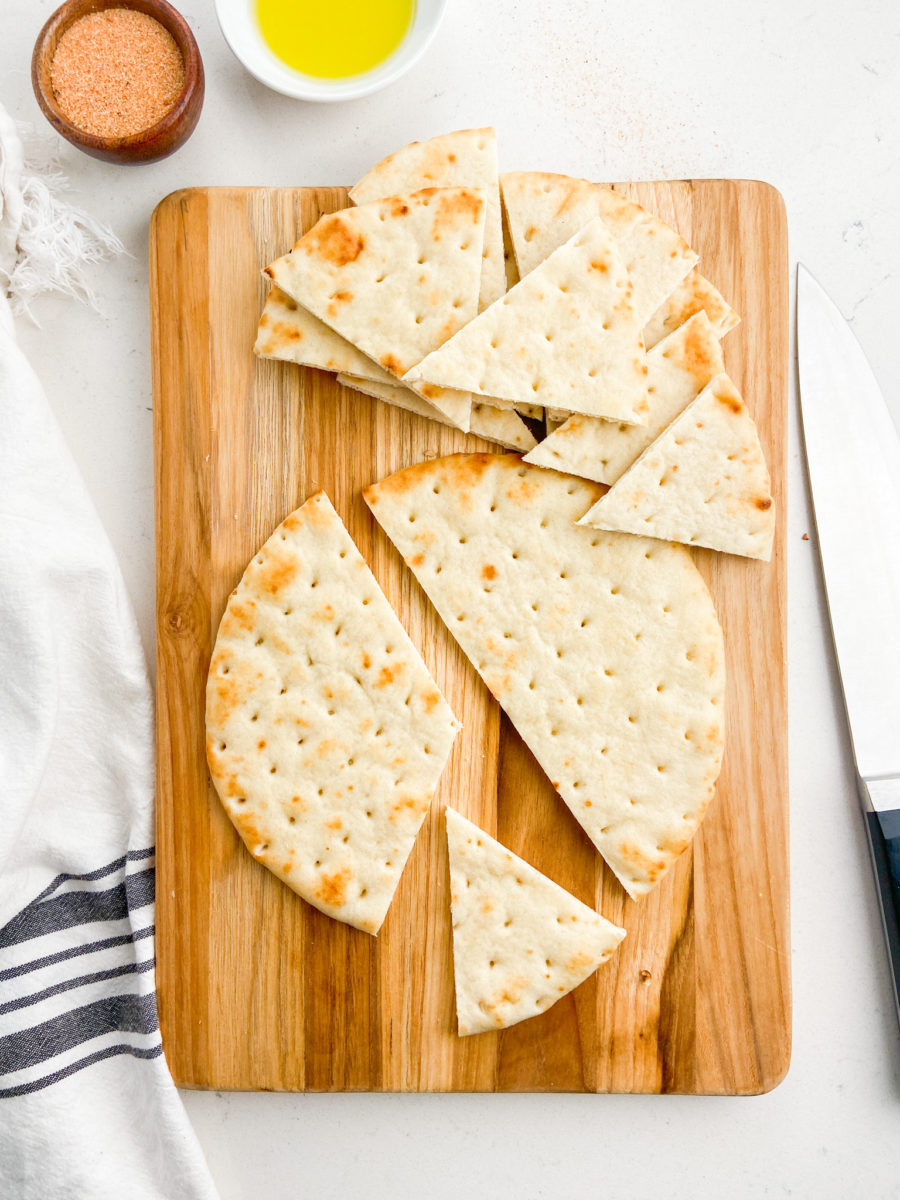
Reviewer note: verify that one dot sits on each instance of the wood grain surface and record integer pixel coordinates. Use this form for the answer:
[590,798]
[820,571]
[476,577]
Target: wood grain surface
[259,990]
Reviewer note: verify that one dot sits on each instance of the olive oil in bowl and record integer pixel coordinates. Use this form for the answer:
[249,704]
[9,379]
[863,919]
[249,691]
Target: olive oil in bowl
[334,42]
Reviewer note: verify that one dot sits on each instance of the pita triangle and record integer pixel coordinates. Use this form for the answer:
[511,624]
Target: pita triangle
[309,661]
[545,210]
[566,336]
[396,278]
[694,294]
[289,332]
[505,427]
[704,481]
[679,368]
[565,626]
[465,158]
[520,941]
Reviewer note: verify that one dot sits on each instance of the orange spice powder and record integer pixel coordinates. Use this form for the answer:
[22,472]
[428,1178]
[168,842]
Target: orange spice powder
[116,72]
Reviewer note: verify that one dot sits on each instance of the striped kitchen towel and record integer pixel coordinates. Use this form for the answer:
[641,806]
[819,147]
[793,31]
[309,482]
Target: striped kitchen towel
[87,1106]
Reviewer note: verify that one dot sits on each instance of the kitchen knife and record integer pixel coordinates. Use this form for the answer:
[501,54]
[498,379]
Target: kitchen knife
[853,457]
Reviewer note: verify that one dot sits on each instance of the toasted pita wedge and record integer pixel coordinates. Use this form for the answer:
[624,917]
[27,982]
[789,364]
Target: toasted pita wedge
[520,941]
[694,294]
[545,210]
[566,336]
[325,733]
[604,649]
[290,332]
[704,481]
[396,278]
[466,158]
[679,368]
[504,427]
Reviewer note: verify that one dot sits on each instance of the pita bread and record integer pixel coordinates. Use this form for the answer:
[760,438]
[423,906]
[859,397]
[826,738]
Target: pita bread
[520,941]
[603,649]
[694,294]
[396,278]
[565,337]
[679,368]
[509,257]
[704,481]
[289,332]
[325,733]
[545,210]
[504,427]
[466,158]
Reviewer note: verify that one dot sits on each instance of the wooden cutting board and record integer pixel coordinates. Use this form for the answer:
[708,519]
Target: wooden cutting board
[259,990]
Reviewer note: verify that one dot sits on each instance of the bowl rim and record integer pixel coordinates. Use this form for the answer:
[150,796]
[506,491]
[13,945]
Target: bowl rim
[172,21]
[351,87]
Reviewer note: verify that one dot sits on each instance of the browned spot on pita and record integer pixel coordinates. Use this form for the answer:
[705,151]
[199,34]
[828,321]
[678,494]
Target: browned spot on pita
[697,356]
[332,889]
[286,333]
[452,204]
[763,503]
[406,805]
[261,744]
[268,271]
[487,906]
[326,746]
[325,613]
[649,869]
[601,266]
[399,207]
[499,686]
[730,401]
[337,300]
[430,699]
[241,615]
[333,240]
[387,675]
[417,560]
[391,363]
[579,962]
[366,661]
[276,572]
[334,823]
[488,571]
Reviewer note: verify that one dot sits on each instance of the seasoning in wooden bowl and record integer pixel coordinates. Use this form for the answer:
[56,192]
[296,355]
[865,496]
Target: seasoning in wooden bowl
[116,72]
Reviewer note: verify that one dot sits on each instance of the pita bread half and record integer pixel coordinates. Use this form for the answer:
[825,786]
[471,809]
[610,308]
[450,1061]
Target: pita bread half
[505,427]
[694,294]
[704,481]
[466,158]
[603,649]
[679,368]
[289,332]
[520,941]
[396,278]
[325,733]
[566,336]
[545,210]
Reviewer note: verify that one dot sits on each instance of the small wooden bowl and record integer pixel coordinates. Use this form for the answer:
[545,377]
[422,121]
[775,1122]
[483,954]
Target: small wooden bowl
[158,140]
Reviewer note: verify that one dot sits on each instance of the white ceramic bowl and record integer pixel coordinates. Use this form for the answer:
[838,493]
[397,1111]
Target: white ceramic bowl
[237,21]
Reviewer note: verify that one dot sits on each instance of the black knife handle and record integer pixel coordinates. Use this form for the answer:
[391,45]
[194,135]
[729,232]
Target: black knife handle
[884,839]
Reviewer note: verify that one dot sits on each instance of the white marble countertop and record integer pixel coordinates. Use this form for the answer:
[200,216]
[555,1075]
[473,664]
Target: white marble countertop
[804,95]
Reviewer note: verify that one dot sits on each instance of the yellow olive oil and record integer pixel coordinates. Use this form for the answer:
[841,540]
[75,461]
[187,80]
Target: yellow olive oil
[334,41]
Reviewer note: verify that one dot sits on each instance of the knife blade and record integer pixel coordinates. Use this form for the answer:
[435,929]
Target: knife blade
[853,459]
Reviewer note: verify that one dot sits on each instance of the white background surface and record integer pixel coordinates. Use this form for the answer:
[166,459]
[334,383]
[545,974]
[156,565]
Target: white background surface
[802,93]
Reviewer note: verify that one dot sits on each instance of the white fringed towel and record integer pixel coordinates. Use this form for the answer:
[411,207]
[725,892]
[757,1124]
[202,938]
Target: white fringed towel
[87,1106]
